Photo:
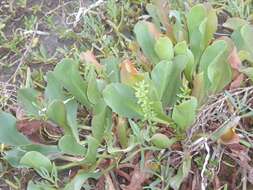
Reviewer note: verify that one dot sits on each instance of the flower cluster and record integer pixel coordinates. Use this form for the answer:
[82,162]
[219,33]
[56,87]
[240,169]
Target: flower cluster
[142,93]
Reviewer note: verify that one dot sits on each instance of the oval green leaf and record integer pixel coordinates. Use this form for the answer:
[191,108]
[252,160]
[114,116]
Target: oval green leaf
[121,99]
[36,160]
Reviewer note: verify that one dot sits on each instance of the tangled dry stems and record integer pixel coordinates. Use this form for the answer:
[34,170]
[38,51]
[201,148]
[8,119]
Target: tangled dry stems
[222,107]
[218,110]
[7,94]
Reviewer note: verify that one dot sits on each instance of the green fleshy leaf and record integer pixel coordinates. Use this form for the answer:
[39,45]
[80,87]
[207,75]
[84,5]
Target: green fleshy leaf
[91,153]
[202,23]
[122,126]
[14,155]
[182,49]
[64,115]
[211,25]
[146,41]
[217,72]
[162,141]
[8,131]
[99,120]
[29,99]
[77,182]
[68,74]
[69,145]
[43,186]
[36,160]
[54,89]
[198,90]
[167,79]
[57,113]
[112,68]
[164,48]
[243,40]
[71,108]
[195,17]
[184,114]
[121,99]
[92,91]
